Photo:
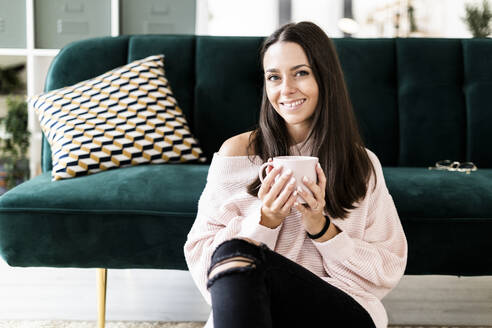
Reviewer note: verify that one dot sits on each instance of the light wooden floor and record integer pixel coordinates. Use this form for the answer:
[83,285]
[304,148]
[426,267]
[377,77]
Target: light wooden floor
[147,324]
[445,300]
[157,295]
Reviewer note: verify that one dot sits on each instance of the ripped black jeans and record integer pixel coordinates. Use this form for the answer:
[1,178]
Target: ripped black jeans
[273,291]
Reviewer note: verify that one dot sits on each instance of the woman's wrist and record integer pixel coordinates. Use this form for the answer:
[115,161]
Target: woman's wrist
[329,234]
[324,231]
[267,222]
[325,221]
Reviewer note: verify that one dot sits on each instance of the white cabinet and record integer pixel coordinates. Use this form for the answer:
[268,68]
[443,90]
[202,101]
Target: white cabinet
[58,22]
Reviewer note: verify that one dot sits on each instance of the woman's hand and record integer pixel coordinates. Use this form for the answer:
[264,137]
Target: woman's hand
[278,197]
[312,212]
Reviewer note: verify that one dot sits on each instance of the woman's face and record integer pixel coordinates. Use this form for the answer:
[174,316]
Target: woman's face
[290,84]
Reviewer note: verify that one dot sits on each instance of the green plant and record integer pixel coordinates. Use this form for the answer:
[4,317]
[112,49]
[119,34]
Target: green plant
[14,143]
[10,81]
[478,19]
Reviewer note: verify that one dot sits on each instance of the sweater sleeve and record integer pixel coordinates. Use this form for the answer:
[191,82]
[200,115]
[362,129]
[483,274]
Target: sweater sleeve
[225,211]
[375,258]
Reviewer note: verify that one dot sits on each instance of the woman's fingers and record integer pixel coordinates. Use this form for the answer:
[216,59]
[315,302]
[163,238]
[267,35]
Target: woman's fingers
[268,182]
[300,207]
[290,202]
[284,195]
[315,199]
[308,198]
[321,178]
[313,187]
[277,188]
[279,195]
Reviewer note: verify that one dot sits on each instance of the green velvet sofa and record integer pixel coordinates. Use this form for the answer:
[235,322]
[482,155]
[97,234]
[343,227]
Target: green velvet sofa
[417,101]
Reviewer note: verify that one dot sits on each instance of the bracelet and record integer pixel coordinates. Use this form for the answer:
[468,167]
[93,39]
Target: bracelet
[322,232]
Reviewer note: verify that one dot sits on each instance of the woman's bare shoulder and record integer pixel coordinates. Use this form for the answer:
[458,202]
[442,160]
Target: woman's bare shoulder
[236,146]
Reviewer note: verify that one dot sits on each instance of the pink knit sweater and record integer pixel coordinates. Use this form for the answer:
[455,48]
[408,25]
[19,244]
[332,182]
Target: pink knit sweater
[366,260]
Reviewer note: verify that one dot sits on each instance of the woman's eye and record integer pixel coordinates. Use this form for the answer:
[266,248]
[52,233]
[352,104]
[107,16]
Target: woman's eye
[272,78]
[302,73]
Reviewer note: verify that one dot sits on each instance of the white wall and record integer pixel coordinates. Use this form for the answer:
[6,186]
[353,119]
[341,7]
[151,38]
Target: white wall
[324,13]
[437,18]
[246,18]
[260,17]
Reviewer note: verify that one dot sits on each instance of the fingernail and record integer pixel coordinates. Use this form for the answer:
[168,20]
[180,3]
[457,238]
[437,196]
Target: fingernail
[299,190]
[292,181]
[295,194]
[296,204]
[305,179]
[319,165]
[288,171]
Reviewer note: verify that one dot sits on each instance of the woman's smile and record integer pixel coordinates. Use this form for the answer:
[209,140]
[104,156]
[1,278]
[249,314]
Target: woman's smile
[292,104]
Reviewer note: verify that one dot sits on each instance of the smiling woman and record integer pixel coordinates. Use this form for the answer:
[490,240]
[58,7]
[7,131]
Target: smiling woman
[306,102]
[263,258]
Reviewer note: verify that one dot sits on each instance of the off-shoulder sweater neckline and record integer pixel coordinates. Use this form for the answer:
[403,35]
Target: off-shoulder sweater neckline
[240,167]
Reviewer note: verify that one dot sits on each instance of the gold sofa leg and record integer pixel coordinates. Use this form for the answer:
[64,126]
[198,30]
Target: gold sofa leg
[101,297]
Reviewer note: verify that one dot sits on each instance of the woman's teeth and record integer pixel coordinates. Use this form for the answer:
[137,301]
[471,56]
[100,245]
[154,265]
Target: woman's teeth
[294,103]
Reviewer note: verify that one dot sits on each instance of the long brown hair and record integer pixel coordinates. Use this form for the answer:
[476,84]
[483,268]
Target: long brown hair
[334,133]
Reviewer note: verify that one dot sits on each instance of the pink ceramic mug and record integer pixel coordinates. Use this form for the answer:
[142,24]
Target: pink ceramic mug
[301,166]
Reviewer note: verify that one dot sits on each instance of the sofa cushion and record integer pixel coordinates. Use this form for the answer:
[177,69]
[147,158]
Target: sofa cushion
[127,116]
[422,193]
[228,88]
[446,217]
[369,68]
[432,112]
[477,56]
[429,203]
[131,217]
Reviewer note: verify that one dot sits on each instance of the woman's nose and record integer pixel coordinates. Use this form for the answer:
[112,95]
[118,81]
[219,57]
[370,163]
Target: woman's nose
[288,86]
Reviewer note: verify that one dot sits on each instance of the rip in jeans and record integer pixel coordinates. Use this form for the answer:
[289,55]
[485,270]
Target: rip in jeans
[229,265]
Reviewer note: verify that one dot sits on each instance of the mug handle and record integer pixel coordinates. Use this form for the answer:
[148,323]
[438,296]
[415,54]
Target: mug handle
[262,169]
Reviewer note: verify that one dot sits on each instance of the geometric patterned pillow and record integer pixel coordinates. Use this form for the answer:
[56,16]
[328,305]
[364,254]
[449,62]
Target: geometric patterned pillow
[127,116]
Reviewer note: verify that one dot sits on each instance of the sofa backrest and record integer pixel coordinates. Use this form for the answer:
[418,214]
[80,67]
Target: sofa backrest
[417,101]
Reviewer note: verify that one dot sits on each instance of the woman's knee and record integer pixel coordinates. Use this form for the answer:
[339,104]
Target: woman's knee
[233,264]
[237,247]
[234,256]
